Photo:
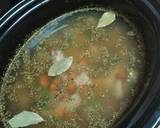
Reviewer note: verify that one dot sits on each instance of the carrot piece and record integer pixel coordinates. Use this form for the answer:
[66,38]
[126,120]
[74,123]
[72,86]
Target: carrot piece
[59,112]
[80,37]
[53,87]
[109,104]
[113,104]
[85,61]
[71,88]
[43,80]
[68,115]
[121,73]
[95,50]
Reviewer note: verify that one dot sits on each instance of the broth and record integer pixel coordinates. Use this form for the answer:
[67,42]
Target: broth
[100,85]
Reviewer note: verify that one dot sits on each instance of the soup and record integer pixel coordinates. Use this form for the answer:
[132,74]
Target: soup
[75,74]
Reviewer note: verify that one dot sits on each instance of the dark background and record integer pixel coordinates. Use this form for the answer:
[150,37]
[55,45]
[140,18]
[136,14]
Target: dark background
[5,5]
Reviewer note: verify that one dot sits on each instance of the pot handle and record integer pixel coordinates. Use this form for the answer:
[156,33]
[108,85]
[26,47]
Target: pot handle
[154,122]
[157,123]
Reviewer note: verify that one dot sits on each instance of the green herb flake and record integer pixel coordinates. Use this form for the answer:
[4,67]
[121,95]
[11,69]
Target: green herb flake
[60,67]
[24,119]
[115,60]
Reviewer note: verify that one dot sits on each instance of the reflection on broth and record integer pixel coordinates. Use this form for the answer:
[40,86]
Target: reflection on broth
[95,90]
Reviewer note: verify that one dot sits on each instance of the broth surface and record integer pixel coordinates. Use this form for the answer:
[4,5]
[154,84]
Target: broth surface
[100,85]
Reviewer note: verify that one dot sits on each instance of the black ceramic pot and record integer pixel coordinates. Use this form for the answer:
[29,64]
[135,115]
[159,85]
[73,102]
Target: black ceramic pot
[30,15]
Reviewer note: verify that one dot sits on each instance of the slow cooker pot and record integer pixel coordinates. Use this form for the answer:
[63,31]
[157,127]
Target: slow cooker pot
[29,15]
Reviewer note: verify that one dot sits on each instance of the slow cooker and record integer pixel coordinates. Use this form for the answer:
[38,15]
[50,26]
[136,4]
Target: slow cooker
[29,15]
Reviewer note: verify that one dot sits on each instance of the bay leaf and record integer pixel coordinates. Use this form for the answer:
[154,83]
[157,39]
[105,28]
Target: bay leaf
[24,119]
[60,67]
[106,19]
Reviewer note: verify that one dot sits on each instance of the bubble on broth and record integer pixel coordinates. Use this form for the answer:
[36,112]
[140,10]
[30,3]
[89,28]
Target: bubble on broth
[100,85]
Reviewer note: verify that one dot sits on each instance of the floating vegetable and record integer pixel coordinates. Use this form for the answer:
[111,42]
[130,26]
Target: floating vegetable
[57,55]
[131,33]
[24,119]
[60,67]
[71,88]
[43,80]
[83,79]
[106,19]
[59,112]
